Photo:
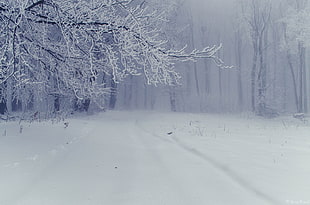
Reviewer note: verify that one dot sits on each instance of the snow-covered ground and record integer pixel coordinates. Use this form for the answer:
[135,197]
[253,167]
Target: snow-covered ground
[148,158]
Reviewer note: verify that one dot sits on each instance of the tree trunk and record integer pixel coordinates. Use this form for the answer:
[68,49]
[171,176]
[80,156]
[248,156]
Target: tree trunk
[56,103]
[113,95]
[172,96]
[145,96]
[153,98]
[188,80]
[303,106]
[289,59]
[301,83]
[128,89]
[204,36]
[9,96]
[196,79]
[220,88]
[2,104]
[262,75]
[307,90]
[291,67]
[239,65]
[304,76]
[195,64]
[207,77]
[253,77]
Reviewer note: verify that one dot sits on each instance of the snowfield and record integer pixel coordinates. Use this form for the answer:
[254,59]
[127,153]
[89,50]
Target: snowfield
[148,158]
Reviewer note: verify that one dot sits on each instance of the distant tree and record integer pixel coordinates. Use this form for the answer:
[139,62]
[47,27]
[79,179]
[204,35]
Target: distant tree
[256,16]
[296,32]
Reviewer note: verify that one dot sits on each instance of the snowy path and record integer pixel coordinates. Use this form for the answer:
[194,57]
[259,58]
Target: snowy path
[118,160]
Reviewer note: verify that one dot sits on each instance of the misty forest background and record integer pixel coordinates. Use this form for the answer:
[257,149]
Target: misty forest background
[58,57]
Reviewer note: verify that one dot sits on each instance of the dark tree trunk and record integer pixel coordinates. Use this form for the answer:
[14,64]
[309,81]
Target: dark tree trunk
[2,107]
[82,105]
[56,103]
[113,95]
[16,105]
[86,104]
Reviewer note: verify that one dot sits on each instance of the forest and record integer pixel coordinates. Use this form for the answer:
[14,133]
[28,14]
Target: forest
[154,102]
[59,57]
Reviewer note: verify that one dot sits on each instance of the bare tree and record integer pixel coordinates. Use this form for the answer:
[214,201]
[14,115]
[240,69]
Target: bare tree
[295,30]
[257,16]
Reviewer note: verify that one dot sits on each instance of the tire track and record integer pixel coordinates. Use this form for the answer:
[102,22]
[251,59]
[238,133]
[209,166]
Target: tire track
[216,164]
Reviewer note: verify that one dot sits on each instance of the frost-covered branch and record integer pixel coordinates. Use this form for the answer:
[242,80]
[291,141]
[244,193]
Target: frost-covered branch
[68,47]
[207,52]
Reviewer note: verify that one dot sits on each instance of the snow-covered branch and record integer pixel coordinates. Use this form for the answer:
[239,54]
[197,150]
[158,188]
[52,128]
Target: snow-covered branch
[70,46]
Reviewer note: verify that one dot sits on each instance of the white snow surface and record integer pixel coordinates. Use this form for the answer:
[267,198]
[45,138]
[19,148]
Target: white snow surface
[149,158]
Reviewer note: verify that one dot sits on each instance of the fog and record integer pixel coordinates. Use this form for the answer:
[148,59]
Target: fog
[152,102]
[262,65]
[285,80]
